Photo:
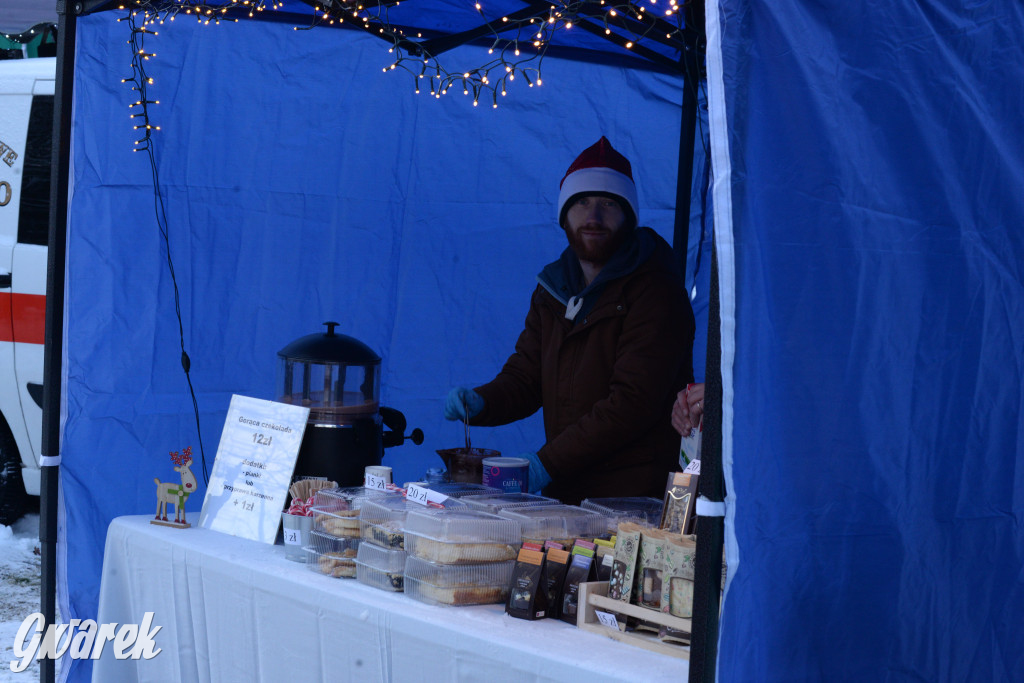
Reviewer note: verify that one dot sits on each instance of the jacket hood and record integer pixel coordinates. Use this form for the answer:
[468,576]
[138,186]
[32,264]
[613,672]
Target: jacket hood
[563,278]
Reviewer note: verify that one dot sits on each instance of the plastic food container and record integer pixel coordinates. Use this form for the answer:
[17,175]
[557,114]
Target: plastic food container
[459,536]
[494,503]
[336,511]
[642,510]
[470,584]
[330,555]
[381,521]
[380,567]
[558,522]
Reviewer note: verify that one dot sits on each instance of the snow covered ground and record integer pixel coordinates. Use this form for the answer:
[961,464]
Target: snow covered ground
[19,590]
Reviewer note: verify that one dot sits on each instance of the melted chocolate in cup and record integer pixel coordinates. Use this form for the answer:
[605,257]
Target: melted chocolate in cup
[466,466]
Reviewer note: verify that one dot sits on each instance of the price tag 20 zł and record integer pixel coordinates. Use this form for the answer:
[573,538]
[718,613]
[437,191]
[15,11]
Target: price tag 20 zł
[423,496]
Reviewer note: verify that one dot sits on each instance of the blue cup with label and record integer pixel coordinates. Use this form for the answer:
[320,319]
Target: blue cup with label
[511,475]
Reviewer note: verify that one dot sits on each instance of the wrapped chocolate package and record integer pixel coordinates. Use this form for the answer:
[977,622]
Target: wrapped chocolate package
[556,564]
[579,570]
[651,564]
[677,577]
[528,597]
[627,545]
[604,561]
[679,515]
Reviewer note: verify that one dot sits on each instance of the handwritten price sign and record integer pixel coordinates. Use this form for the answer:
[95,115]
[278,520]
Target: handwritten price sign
[425,496]
[376,483]
[608,619]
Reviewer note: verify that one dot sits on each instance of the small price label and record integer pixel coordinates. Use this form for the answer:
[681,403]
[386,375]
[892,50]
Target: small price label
[376,483]
[693,467]
[424,496]
[608,619]
[292,537]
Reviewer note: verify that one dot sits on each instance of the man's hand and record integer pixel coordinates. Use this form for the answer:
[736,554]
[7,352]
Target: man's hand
[462,404]
[539,477]
[688,409]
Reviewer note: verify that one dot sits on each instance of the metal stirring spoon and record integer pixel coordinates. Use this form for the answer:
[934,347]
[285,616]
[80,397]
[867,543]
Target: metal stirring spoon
[465,421]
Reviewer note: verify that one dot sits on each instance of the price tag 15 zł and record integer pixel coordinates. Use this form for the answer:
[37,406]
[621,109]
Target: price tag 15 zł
[372,481]
[424,496]
[608,619]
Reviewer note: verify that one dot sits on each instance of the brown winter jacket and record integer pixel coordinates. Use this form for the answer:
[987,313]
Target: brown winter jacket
[606,382]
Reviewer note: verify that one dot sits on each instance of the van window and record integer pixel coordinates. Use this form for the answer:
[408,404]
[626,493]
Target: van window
[34,214]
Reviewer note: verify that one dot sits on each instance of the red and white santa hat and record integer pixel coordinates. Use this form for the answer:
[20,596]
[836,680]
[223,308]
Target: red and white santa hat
[599,168]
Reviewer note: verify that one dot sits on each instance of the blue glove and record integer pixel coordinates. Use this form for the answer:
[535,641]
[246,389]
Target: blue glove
[539,477]
[461,401]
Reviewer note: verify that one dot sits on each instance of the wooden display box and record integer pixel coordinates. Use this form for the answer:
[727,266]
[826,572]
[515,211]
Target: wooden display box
[593,596]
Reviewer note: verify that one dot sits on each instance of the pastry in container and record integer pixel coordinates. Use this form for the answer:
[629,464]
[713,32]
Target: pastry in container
[562,523]
[495,503]
[381,519]
[639,509]
[331,555]
[460,536]
[336,511]
[469,584]
[379,567]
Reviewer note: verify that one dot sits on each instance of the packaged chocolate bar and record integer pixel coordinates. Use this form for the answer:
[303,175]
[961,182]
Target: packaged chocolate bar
[579,570]
[650,567]
[627,545]
[527,598]
[679,512]
[582,546]
[604,560]
[677,577]
[555,565]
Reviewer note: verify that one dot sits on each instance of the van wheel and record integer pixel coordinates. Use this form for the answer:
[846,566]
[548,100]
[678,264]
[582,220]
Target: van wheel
[12,489]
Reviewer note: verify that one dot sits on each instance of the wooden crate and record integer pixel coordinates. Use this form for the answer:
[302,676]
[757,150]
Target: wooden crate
[593,596]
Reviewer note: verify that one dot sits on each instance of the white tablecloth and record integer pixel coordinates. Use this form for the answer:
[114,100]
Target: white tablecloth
[236,610]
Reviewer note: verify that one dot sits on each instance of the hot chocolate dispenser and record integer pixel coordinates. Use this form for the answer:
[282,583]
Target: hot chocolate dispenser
[338,378]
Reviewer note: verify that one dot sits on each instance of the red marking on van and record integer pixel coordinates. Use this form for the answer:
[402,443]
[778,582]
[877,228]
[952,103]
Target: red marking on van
[22,318]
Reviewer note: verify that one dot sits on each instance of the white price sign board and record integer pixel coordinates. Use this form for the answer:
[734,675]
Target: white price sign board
[253,469]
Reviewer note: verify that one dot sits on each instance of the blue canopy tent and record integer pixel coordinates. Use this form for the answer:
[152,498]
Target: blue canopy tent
[297,184]
[870,326]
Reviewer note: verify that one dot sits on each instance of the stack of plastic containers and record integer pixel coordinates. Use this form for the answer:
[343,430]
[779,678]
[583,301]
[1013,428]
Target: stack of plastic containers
[562,523]
[459,556]
[640,510]
[334,540]
[381,558]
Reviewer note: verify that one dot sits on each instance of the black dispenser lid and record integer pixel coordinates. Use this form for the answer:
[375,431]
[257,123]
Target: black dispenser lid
[330,347]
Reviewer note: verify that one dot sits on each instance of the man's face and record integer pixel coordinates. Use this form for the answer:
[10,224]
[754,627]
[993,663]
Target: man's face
[596,228]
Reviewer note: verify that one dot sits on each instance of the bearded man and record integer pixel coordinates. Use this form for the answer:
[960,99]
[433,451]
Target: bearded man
[606,347]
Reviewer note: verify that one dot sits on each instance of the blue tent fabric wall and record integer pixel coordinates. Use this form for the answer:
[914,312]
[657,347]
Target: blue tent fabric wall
[301,185]
[876,233]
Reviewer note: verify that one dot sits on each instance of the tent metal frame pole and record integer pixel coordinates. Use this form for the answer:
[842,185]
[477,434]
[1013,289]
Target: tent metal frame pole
[684,176]
[53,349]
[707,579]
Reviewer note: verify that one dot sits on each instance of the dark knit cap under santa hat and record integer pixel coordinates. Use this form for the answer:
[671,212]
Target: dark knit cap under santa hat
[599,169]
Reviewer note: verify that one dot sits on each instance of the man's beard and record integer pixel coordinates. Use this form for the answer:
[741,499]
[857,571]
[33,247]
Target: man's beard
[598,254]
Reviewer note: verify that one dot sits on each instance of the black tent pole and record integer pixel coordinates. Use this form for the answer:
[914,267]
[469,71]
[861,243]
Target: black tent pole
[707,578]
[53,349]
[684,175]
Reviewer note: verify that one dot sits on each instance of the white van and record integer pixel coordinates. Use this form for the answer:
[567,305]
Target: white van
[26,131]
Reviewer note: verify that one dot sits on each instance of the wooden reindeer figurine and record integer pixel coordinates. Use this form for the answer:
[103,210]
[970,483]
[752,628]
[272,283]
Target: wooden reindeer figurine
[175,494]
